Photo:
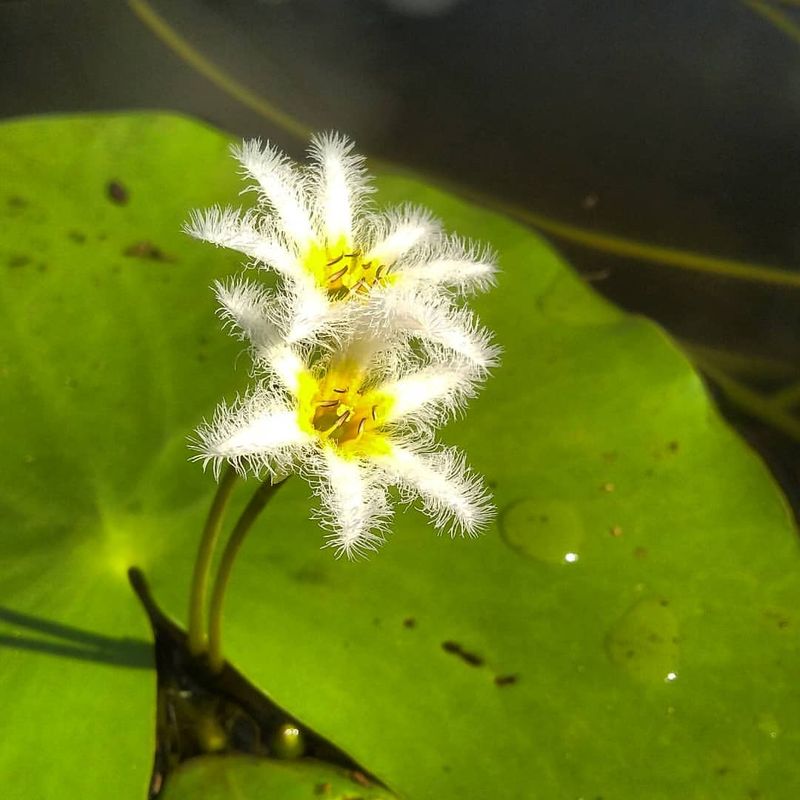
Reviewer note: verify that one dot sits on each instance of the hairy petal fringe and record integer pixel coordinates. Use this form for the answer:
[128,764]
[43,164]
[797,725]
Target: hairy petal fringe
[399,232]
[452,495]
[254,434]
[281,187]
[454,263]
[354,506]
[340,186]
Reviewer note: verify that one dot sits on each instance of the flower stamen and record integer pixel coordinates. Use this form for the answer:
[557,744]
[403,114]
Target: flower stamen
[340,420]
[338,274]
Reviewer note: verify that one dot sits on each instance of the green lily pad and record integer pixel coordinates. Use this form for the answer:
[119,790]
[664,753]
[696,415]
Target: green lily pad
[627,630]
[245,778]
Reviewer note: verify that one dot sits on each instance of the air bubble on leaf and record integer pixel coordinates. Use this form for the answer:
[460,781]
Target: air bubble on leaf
[644,642]
[288,741]
[547,530]
[768,725]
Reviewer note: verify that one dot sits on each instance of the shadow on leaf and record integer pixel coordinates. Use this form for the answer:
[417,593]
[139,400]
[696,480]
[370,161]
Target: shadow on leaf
[71,642]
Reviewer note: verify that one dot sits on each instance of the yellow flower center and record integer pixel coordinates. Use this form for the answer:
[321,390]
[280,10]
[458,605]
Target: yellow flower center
[340,412]
[342,270]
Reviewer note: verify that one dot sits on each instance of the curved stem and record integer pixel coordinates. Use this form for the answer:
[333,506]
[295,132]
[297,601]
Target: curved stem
[202,564]
[257,502]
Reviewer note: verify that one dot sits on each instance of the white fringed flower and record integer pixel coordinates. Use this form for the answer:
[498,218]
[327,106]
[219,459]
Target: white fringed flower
[314,228]
[353,421]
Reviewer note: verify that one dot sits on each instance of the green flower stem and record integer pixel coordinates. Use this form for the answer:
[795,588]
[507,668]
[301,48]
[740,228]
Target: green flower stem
[202,565]
[257,502]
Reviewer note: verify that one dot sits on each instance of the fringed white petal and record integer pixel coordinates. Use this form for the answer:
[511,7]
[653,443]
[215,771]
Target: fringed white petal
[452,495]
[312,315]
[341,186]
[280,186]
[254,434]
[228,227]
[398,232]
[436,391]
[255,314]
[355,510]
[435,320]
[286,365]
[456,264]
[244,310]
[302,313]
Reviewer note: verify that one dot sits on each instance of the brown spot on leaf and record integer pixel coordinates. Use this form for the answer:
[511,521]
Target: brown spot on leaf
[409,622]
[505,680]
[640,553]
[615,531]
[77,237]
[15,262]
[146,250]
[473,659]
[779,618]
[117,193]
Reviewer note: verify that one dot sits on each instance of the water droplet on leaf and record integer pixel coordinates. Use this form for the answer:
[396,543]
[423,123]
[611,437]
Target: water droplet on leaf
[768,725]
[549,531]
[288,742]
[644,642]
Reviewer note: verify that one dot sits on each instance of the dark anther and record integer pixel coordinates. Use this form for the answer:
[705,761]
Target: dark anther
[336,275]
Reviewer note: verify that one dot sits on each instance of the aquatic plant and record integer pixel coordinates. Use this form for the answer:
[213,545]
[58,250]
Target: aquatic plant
[359,355]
